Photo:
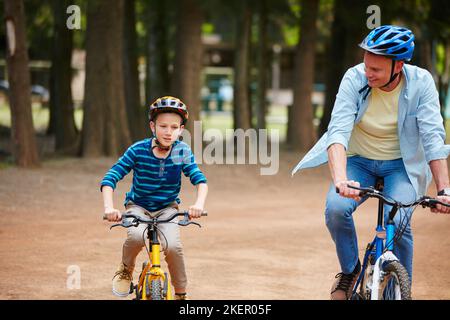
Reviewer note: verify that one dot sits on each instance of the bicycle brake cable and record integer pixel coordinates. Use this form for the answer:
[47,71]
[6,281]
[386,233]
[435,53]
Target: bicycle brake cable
[143,239]
[167,242]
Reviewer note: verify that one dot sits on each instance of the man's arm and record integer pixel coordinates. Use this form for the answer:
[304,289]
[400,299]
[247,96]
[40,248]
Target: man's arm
[439,170]
[337,162]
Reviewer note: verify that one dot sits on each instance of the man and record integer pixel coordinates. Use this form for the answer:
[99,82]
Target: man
[386,123]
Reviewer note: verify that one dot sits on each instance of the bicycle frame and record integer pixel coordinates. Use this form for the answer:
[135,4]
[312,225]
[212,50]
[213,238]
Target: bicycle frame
[153,270]
[384,261]
[381,253]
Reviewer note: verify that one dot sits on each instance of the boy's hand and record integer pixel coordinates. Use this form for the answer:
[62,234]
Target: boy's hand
[113,215]
[195,211]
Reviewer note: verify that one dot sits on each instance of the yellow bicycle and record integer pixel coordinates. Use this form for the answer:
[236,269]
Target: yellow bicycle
[154,283]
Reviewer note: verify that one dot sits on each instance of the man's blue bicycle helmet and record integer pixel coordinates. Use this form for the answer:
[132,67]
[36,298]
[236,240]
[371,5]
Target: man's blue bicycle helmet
[391,41]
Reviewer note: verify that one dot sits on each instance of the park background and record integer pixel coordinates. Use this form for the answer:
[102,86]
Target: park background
[73,99]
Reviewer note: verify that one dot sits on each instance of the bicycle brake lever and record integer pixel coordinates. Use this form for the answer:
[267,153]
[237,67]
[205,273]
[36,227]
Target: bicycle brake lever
[126,224]
[186,223]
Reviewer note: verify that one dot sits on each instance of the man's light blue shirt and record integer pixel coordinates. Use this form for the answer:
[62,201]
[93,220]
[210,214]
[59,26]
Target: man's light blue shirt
[420,125]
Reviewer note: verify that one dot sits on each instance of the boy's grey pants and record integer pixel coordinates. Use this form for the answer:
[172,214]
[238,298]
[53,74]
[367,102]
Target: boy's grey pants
[173,249]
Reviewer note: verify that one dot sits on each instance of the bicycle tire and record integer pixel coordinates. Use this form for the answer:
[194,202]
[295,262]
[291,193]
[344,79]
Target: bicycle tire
[156,290]
[397,285]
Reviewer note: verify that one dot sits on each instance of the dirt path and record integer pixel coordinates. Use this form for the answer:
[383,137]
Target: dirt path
[264,238]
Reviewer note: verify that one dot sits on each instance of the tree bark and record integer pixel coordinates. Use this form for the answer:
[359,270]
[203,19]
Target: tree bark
[302,133]
[105,123]
[137,118]
[241,96]
[188,59]
[22,130]
[62,120]
[343,50]
[261,104]
[157,82]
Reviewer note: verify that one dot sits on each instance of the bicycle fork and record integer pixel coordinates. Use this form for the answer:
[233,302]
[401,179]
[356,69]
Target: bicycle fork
[377,255]
[153,271]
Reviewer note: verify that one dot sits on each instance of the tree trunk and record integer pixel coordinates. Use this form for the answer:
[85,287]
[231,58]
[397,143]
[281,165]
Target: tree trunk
[261,104]
[444,80]
[22,130]
[157,82]
[188,59]
[343,50]
[241,97]
[105,123]
[137,117]
[302,129]
[62,120]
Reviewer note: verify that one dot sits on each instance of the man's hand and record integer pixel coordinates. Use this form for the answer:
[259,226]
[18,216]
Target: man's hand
[347,192]
[440,208]
[113,215]
[195,211]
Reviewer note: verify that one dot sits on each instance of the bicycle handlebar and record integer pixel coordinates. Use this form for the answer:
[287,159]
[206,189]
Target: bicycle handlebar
[424,201]
[138,220]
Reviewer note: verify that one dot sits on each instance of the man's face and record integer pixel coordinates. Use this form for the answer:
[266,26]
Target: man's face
[378,69]
[168,128]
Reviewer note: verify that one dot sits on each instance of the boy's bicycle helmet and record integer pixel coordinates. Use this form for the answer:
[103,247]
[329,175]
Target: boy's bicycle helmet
[168,104]
[164,105]
[391,41]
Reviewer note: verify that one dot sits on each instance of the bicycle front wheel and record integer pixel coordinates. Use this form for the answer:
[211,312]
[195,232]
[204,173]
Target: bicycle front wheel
[395,284]
[156,290]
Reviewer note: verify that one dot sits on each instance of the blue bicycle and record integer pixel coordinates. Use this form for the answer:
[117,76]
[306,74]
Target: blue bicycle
[382,276]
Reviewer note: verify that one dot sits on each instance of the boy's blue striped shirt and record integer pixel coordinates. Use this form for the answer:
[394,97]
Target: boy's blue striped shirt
[156,181]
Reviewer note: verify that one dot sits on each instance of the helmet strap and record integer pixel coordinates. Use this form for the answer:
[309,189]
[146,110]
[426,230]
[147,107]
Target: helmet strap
[159,146]
[393,76]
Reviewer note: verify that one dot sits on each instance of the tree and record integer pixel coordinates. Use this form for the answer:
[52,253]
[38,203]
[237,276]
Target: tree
[62,121]
[137,118]
[157,82]
[301,130]
[105,123]
[241,101]
[22,130]
[262,59]
[348,29]
[188,58]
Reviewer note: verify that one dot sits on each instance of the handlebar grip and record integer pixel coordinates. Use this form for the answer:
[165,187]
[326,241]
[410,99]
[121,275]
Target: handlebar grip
[361,192]
[104,217]
[204,213]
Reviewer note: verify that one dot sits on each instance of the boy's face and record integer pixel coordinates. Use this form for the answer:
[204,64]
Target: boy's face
[168,128]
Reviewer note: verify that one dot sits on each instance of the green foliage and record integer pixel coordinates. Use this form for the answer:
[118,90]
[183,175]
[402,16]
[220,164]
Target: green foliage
[207,28]
[39,22]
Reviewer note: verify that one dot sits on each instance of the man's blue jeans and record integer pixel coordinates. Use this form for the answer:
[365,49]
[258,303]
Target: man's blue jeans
[339,210]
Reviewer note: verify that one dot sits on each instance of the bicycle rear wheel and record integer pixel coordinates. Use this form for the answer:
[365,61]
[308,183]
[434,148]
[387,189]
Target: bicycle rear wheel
[395,284]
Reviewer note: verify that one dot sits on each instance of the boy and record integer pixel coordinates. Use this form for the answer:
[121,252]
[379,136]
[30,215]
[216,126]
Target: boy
[157,164]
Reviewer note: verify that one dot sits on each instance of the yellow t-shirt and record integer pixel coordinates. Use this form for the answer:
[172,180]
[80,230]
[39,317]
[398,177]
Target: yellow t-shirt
[376,136]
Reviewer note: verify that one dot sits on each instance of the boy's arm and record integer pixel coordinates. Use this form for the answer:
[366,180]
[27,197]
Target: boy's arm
[195,211]
[120,169]
[112,214]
